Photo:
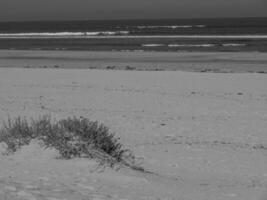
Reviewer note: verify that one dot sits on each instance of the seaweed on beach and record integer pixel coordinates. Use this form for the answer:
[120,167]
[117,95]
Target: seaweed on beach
[71,137]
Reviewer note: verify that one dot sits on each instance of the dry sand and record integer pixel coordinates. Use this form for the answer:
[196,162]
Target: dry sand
[203,134]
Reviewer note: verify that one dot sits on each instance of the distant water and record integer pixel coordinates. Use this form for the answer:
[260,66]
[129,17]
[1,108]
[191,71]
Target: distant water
[238,34]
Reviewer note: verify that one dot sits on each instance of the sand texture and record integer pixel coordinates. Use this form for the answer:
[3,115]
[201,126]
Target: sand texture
[219,62]
[202,134]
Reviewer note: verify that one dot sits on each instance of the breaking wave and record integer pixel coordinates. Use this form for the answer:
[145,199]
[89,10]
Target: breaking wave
[178,45]
[65,34]
[233,45]
[191,45]
[152,45]
[172,27]
[194,45]
[123,34]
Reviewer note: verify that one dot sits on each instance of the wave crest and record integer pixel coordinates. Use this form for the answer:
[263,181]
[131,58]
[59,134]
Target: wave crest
[65,34]
[172,26]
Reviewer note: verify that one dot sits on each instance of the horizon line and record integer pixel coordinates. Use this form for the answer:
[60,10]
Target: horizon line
[142,36]
[130,19]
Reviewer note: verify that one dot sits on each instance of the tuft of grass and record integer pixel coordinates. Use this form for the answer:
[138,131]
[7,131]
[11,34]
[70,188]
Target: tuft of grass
[72,137]
[16,133]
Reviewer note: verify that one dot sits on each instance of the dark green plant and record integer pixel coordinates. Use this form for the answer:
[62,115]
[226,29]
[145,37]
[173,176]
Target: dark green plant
[72,137]
[16,133]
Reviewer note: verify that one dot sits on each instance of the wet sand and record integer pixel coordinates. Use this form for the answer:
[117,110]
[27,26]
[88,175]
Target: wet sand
[251,62]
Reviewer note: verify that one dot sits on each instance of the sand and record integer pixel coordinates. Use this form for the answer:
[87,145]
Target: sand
[202,134]
[222,62]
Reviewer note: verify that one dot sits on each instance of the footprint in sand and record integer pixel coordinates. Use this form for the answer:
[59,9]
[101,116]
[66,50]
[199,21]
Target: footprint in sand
[99,197]
[25,195]
[10,188]
[230,195]
[87,187]
[32,187]
[45,179]
[58,190]
[52,198]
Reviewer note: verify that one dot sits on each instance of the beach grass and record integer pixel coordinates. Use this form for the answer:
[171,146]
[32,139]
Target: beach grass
[71,137]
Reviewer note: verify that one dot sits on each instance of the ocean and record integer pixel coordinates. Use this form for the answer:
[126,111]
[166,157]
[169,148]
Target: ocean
[229,34]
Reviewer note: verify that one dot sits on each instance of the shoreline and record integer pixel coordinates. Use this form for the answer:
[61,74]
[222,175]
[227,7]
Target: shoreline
[82,36]
[152,43]
[217,62]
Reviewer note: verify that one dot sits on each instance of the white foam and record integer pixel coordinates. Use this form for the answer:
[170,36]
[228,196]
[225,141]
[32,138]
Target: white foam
[41,34]
[171,27]
[152,45]
[121,34]
[64,34]
[233,45]
[191,45]
[192,36]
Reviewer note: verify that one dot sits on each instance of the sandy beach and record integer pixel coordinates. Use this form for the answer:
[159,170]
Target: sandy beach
[221,62]
[203,135]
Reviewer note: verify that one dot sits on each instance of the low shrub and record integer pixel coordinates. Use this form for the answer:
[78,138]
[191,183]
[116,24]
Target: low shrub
[72,137]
